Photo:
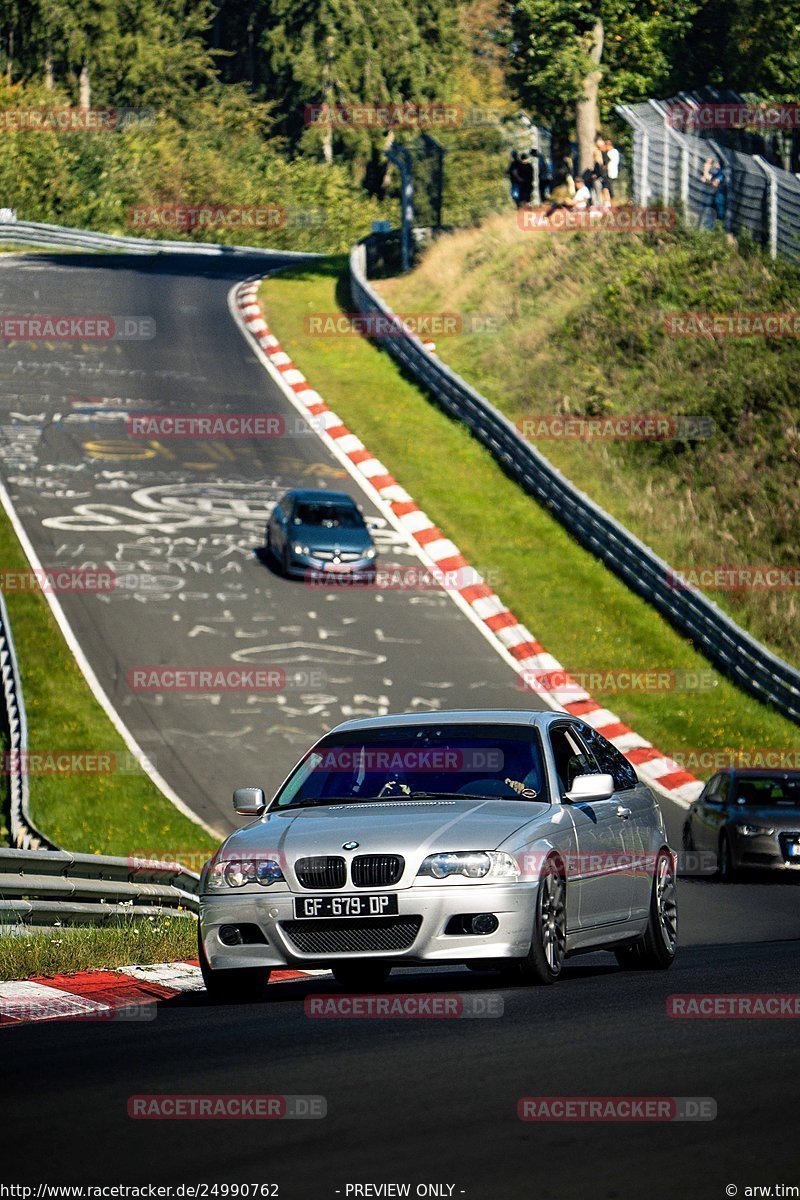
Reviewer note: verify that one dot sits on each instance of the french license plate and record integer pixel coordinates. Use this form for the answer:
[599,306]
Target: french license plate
[794,849]
[345,906]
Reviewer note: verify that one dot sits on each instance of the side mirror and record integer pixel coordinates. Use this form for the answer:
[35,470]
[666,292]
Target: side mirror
[586,788]
[249,801]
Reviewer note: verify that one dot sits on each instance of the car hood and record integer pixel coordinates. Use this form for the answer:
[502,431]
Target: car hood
[776,818]
[328,539]
[412,828]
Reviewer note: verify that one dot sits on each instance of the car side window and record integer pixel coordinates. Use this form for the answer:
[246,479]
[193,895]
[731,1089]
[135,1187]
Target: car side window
[570,757]
[609,760]
[723,790]
[711,794]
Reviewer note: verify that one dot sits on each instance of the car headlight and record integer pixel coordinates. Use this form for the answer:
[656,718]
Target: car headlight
[235,873]
[370,553]
[754,830]
[298,549]
[472,864]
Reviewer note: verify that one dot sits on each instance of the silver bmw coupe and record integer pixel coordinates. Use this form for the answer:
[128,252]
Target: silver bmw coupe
[501,840]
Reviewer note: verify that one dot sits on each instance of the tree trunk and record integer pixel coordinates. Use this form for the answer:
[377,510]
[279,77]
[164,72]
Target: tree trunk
[85,87]
[587,117]
[48,69]
[327,145]
[327,98]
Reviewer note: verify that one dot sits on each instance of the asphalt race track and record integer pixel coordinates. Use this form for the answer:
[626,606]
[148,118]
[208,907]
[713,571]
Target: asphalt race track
[423,1101]
[180,521]
[428,1099]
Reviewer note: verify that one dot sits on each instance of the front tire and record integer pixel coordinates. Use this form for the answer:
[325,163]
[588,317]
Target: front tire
[545,959]
[656,949]
[244,985]
[727,869]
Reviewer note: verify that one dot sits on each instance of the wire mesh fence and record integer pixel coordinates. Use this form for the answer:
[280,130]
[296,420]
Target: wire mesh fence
[761,197]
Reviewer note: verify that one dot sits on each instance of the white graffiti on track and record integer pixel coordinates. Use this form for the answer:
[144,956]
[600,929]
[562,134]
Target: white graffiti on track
[171,507]
[281,653]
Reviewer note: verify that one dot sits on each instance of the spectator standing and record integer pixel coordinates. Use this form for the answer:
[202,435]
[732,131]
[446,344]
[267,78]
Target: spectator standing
[526,179]
[515,177]
[604,188]
[716,193]
[612,165]
[545,175]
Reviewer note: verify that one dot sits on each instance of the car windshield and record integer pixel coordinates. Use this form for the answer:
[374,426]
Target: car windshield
[328,516]
[767,792]
[418,762]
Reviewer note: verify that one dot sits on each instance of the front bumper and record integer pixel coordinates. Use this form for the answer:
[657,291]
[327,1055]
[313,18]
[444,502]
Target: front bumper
[766,851]
[512,904]
[317,570]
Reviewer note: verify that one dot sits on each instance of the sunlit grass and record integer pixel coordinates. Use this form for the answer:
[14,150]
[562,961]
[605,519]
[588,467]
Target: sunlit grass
[580,330]
[159,939]
[93,813]
[578,610]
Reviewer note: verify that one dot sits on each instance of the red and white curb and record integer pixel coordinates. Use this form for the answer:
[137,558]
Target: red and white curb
[517,643]
[128,993]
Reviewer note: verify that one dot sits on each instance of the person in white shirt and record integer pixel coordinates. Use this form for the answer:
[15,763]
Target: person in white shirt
[583,194]
[613,161]
[580,202]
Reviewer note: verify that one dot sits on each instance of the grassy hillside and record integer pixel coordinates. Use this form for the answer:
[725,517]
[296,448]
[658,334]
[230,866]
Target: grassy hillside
[581,612]
[580,320]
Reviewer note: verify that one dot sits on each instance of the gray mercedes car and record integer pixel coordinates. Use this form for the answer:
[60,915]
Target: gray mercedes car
[750,819]
[314,533]
[505,840]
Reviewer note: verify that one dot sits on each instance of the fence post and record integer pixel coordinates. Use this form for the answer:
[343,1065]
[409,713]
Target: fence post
[772,204]
[437,151]
[644,169]
[401,157]
[685,177]
[641,181]
[665,180]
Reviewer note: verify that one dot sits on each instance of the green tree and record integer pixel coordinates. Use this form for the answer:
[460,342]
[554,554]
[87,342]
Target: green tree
[113,52]
[343,52]
[764,49]
[572,60]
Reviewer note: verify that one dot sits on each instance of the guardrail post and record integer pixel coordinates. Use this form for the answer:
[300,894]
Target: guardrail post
[772,204]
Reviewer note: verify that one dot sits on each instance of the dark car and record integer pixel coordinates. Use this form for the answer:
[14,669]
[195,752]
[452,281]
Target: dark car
[749,818]
[311,531]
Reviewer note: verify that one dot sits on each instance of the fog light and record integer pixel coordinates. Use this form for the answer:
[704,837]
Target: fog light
[484,923]
[230,935]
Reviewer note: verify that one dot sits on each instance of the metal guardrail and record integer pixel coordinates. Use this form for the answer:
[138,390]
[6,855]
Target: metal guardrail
[37,233]
[732,650]
[48,886]
[40,884]
[763,199]
[24,833]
